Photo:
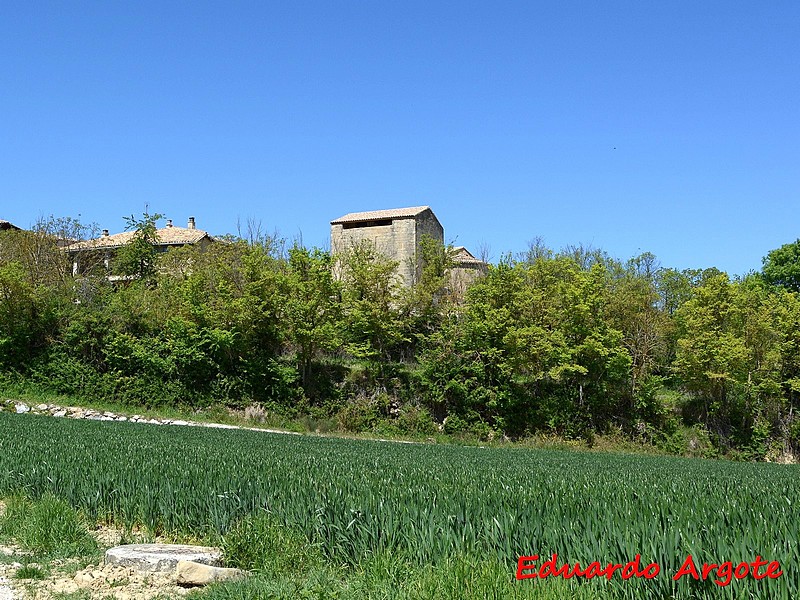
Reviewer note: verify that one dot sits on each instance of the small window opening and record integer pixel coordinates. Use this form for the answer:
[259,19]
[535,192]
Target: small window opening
[376,223]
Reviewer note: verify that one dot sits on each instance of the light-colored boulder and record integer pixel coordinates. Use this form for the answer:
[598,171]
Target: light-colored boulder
[83,579]
[189,573]
[161,558]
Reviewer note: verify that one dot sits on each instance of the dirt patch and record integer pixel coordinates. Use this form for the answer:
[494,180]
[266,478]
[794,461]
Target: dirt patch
[7,554]
[102,581]
[98,581]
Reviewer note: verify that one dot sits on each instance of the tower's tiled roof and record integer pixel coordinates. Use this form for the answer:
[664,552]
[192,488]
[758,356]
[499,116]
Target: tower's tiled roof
[376,215]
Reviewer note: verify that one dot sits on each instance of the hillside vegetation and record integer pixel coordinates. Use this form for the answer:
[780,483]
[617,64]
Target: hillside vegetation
[569,343]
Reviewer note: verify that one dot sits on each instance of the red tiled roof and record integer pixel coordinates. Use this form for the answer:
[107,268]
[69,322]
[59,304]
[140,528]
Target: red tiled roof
[462,256]
[167,236]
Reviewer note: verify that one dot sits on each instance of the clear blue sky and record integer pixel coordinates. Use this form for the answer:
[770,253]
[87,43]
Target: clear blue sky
[671,127]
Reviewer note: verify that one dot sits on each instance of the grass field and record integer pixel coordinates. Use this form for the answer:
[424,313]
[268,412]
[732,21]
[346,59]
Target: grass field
[371,519]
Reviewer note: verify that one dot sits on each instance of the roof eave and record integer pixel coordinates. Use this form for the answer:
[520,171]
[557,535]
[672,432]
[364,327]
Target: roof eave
[379,215]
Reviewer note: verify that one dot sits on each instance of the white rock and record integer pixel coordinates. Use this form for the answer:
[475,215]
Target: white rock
[22,408]
[83,578]
[192,573]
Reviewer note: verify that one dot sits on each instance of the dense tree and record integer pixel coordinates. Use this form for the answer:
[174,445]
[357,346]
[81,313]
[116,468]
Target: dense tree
[781,266]
[572,342]
[634,310]
[370,290]
[40,251]
[530,349]
[312,314]
[139,258]
[729,356]
[424,304]
[24,316]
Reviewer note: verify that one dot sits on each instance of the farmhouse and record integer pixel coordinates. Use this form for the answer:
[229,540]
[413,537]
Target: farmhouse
[397,233]
[465,269]
[106,245]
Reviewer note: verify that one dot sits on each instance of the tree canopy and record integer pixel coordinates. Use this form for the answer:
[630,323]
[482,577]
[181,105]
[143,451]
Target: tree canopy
[781,266]
[569,343]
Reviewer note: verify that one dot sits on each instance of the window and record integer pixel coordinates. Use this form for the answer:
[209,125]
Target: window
[376,223]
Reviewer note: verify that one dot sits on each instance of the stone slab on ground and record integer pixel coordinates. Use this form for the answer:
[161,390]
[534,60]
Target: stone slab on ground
[161,558]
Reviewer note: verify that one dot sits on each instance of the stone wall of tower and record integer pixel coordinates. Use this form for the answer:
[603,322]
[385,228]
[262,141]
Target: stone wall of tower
[426,224]
[398,241]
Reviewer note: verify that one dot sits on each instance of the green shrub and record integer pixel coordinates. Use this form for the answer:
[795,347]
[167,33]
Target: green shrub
[414,418]
[47,527]
[260,542]
[362,413]
[30,572]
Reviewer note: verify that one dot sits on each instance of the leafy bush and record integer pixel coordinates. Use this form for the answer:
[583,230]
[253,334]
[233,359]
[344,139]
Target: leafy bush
[414,418]
[260,542]
[47,527]
[363,412]
[30,572]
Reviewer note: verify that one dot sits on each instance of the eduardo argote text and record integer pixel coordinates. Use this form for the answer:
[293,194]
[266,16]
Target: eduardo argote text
[530,567]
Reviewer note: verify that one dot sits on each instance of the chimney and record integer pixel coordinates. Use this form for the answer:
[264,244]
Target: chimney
[191,223]
[105,232]
[169,222]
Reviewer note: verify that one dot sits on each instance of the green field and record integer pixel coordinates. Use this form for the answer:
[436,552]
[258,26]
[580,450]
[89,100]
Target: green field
[424,505]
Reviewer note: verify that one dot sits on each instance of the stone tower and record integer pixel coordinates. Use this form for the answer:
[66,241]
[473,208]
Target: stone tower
[396,233]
